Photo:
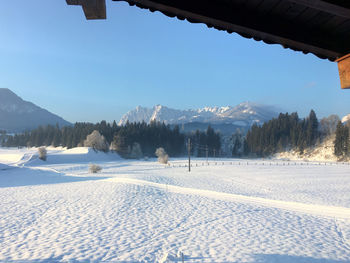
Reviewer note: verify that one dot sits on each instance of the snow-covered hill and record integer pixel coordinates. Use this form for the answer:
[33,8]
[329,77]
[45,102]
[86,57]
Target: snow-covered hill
[226,210]
[244,114]
[17,115]
[323,152]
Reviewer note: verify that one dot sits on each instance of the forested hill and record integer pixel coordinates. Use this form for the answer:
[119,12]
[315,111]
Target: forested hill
[289,132]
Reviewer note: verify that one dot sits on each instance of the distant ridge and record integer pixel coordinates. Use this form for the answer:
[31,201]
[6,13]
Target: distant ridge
[18,115]
[244,115]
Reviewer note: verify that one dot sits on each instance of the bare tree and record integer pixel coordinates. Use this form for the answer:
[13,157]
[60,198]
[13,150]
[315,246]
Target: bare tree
[162,155]
[94,168]
[42,153]
[328,125]
[96,141]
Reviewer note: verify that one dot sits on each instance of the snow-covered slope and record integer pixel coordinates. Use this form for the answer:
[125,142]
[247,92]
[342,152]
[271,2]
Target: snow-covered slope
[229,210]
[323,152]
[244,114]
[17,115]
[29,157]
[4,166]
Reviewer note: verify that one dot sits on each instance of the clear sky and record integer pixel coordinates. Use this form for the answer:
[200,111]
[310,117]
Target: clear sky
[94,70]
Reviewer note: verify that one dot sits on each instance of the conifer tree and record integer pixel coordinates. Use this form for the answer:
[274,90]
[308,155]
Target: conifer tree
[311,129]
[338,143]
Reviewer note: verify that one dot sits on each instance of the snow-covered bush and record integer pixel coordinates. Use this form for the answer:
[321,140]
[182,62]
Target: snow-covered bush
[162,155]
[136,152]
[94,168]
[96,141]
[42,153]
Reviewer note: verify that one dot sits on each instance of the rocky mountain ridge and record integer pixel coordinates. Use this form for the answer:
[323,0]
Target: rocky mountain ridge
[245,114]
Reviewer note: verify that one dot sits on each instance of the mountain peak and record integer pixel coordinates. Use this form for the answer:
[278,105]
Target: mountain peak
[244,114]
[8,96]
[17,115]
[10,102]
[6,90]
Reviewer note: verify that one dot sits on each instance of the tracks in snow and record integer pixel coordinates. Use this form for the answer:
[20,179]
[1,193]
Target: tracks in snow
[26,158]
[317,210]
[341,234]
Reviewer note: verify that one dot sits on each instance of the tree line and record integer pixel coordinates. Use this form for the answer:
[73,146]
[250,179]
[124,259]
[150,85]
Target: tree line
[205,143]
[285,132]
[148,137]
[68,136]
[133,140]
[121,139]
[130,140]
[289,132]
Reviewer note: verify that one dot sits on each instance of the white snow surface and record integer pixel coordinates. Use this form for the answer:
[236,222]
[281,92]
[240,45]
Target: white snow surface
[231,210]
[323,152]
[345,118]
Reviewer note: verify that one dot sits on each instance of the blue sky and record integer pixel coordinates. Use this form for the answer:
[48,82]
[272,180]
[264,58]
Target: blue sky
[93,70]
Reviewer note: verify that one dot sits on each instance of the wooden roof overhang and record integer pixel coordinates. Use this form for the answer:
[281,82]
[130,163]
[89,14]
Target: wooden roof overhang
[320,27]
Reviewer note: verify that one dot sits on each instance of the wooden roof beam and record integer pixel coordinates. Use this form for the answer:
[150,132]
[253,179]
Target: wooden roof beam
[325,7]
[344,71]
[269,29]
[93,9]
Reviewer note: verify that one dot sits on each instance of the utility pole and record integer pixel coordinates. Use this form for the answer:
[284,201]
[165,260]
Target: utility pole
[189,154]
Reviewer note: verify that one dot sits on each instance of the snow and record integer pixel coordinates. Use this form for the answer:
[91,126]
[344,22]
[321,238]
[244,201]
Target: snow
[323,152]
[231,210]
[246,111]
[4,166]
[345,118]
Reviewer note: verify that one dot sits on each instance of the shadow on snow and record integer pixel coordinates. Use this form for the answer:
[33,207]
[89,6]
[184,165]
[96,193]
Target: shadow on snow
[23,176]
[259,258]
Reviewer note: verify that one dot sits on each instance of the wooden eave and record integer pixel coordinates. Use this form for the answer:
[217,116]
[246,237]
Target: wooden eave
[309,26]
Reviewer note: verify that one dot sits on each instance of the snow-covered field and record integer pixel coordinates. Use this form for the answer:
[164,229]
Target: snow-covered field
[141,211]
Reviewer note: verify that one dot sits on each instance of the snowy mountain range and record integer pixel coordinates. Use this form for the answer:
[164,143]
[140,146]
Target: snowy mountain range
[244,115]
[17,115]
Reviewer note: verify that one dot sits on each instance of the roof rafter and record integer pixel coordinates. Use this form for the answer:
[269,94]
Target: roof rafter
[325,7]
[232,16]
